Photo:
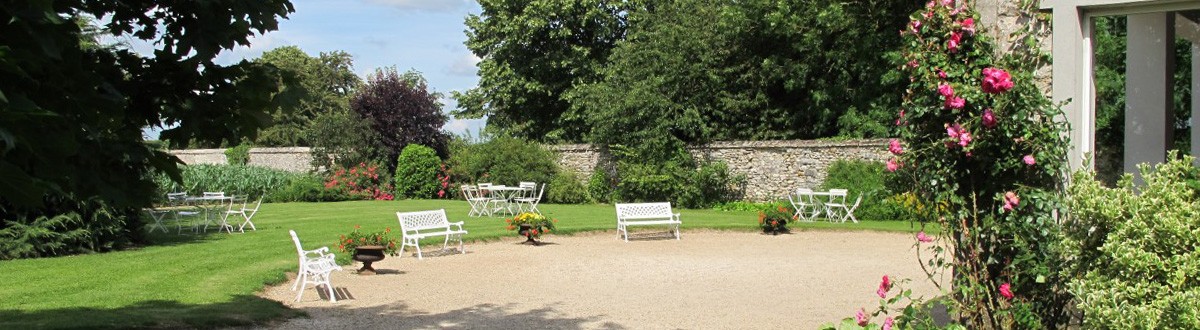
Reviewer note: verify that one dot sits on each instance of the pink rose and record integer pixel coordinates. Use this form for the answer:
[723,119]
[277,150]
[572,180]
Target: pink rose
[1006,291]
[955,102]
[887,324]
[964,139]
[900,120]
[946,90]
[954,42]
[953,130]
[989,118]
[1011,200]
[892,165]
[912,64]
[916,26]
[947,3]
[895,148]
[941,74]
[1028,160]
[861,317]
[921,237]
[996,81]
[884,286]
[968,25]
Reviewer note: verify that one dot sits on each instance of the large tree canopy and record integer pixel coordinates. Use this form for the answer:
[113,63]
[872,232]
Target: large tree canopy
[401,110]
[71,113]
[533,53]
[314,86]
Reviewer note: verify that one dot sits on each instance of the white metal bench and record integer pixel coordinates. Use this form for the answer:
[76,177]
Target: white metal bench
[418,225]
[646,214]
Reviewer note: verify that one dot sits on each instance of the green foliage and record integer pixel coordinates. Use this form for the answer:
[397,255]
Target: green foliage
[238,155]
[417,172]
[504,161]
[600,186]
[81,227]
[1135,249]
[342,139]
[537,223]
[401,110]
[775,217]
[982,143]
[865,178]
[567,189]
[683,185]
[308,188]
[534,52]
[237,180]
[313,87]
[348,243]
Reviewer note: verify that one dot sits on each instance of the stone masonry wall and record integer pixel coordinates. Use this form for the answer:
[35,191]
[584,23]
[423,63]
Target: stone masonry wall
[772,168]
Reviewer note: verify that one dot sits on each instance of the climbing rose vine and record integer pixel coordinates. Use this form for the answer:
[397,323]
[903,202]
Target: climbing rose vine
[968,131]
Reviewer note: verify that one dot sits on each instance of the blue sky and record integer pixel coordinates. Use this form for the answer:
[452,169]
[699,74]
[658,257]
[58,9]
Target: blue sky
[424,35]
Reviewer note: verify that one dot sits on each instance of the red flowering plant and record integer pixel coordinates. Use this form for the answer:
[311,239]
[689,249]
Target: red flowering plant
[536,224]
[443,176]
[775,218]
[979,139]
[347,243]
[361,181]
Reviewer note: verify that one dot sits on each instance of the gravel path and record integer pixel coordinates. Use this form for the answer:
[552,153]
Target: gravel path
[589,281]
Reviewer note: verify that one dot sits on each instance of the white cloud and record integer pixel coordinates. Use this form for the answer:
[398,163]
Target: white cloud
[425,5]
[460,126]
[464,66]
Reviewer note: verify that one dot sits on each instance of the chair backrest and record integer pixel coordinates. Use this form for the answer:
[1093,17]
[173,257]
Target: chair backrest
[414,222]
[214,194]
[804,195]
[299,249]
[541,192]
[176,198]
[253,210]
[530,188]
[856,201]
[644,211]
[839,192]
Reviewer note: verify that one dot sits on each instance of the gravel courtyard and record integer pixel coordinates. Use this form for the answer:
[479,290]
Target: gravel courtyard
[709,280]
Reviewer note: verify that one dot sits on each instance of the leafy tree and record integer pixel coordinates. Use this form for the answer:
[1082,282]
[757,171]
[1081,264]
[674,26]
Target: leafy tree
[314,86]
[75,169]
[401,111]
[533,53]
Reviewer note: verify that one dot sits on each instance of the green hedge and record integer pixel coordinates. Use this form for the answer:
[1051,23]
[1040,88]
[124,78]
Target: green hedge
[238,180]
[866,178]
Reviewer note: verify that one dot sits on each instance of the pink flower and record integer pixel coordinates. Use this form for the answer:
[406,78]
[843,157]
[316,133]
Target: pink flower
[884,286]
[1028,160]
[887,324]
[895,148]
[1011,200]
[989,118]
[947,3]
[955,102]
[941,74]
[916,26]
[954,42]
[900,120]
[953,130]
[1006,291]
[892,165]
[921,237]
[968,25]
[912,64]
[946,90]
[996,81]
[964,139]
[861,317]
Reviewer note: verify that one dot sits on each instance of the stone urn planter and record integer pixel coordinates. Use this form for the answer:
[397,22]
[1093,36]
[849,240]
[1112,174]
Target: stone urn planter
[368,254]
[524,231]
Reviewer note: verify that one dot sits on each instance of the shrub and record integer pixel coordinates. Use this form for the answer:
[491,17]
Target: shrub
[238,155]
[1136,249]
[361,182]
[78,226]
[417,172]
[864,178]
[401,111]
[775,218]
[708,184]
[308,188]
[238,180]
[566,189]
[503,160]
[600,186]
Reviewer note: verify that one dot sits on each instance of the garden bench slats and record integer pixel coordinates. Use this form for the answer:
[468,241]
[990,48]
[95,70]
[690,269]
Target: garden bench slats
[415,226]
[646,214]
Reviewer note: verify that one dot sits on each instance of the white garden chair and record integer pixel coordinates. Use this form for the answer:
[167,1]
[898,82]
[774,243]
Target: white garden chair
[245,213]
[530,189]
[476,200]
[847,212]
[315,268]
[835,208]
[157,215]
[532,202]
[806,207]
[214,194]
[221,220]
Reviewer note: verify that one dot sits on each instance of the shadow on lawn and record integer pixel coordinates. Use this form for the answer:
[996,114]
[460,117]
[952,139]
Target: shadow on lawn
[482,316]
[241,311]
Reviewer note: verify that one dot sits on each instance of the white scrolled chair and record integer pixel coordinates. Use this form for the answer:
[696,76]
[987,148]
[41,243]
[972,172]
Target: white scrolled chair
[315,268]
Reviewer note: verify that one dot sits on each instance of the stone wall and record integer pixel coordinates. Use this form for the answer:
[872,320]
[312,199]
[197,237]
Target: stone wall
[772,168]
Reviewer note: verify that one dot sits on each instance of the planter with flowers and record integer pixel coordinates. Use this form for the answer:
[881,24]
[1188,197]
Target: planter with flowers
[775,218]
[531,226]
[367,247]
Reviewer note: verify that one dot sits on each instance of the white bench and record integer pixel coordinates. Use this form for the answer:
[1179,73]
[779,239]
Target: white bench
[417,225]
[646,214]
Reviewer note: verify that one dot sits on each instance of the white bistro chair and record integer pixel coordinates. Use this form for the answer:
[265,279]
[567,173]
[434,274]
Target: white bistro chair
[835,208]
[315,268]
[479,204]
[844,212]
[530,189]
[245,213]
[806,207]
[531,201]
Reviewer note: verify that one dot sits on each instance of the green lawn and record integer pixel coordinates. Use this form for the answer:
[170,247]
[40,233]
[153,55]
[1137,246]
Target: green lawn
[210,280]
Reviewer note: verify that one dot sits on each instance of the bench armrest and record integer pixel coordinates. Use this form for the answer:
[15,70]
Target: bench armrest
[457,224]
[677,217]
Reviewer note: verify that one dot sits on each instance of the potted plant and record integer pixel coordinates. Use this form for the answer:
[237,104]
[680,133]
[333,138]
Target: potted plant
[775,218]
[531,226]
[367,247]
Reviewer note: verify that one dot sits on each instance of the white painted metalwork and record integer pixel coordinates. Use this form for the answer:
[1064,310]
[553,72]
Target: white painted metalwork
[245,213]
[479,204]
[531,202]
[417,225]
[841,212]
[835,207]
[315,267]
[157,215]
[806,208]
[646,214]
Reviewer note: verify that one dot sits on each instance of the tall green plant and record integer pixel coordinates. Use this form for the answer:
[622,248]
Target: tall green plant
[238,180]
[503,160]
[981,146]
[417,172]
